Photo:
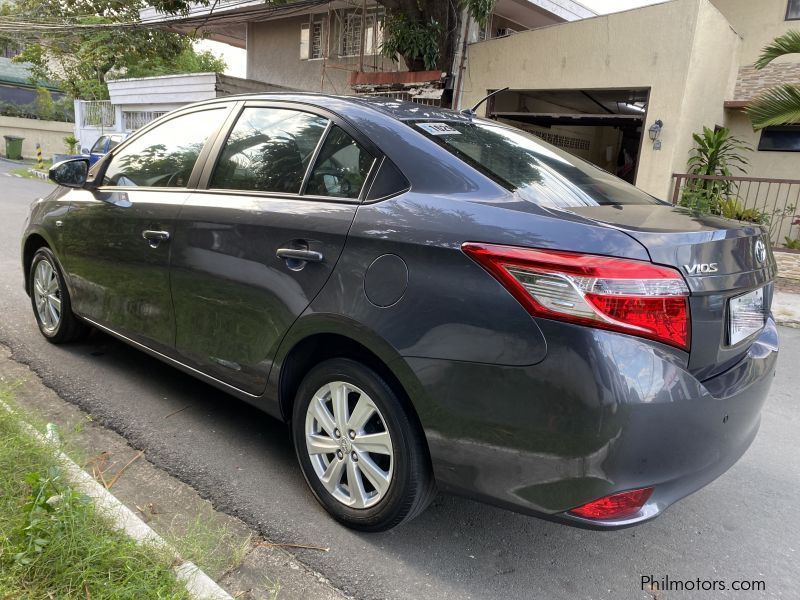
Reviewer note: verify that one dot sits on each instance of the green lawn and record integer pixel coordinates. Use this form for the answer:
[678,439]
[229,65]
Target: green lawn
[24,171]
[54,544]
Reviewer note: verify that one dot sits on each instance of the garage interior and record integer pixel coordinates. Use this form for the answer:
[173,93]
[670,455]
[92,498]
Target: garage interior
[605,127]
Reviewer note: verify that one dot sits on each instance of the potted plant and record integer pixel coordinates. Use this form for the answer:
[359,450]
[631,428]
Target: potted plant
[71,143]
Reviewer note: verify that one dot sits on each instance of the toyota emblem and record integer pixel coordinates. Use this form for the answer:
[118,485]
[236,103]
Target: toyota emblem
[761,251]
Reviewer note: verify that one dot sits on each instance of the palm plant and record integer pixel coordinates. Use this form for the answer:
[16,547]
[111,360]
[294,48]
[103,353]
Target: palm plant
[779,105]
[715,153]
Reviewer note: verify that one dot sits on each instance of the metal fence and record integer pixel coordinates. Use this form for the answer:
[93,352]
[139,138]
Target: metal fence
[405,95]
[773,203]
[97,113]
[136,119]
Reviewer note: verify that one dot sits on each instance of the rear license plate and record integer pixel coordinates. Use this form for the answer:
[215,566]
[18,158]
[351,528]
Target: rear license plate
[746,315]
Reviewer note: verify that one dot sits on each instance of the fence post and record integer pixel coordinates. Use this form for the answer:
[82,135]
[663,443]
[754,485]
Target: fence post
[676,191]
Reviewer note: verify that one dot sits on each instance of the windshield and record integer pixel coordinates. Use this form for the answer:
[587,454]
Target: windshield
[538,171]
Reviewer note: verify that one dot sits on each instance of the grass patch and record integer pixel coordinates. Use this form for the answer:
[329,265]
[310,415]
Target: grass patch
[24,171]
[54,544]
[214,548]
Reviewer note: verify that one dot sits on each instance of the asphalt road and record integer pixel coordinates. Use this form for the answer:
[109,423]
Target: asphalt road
[744,526]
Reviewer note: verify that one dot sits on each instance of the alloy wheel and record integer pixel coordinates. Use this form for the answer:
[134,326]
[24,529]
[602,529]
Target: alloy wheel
[349,445]
[47,296]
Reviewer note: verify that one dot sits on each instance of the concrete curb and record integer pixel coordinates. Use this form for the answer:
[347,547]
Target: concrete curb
[199,585]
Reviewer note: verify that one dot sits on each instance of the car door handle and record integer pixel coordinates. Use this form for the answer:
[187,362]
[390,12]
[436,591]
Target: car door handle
[154,238]
[297,254]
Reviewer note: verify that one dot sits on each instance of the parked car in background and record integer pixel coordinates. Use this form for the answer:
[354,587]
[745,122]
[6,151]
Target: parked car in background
[103,145]
[426,297]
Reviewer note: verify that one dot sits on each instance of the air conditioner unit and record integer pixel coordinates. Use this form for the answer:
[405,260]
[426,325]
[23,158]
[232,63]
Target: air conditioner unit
[503,31]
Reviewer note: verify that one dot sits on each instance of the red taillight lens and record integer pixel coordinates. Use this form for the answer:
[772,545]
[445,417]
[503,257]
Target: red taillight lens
[629,296]
[615,506]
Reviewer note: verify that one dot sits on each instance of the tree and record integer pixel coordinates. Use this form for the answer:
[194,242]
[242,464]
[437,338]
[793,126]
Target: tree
[81,62]
[779,105]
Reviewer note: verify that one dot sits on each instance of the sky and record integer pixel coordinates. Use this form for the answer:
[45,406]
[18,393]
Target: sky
[609,6]
[236,57]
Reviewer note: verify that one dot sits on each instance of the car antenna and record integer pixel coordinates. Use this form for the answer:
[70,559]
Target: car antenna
[470,112]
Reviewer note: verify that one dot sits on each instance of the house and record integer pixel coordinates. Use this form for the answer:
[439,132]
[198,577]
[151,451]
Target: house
[334,46]
[600,87]
[134,102]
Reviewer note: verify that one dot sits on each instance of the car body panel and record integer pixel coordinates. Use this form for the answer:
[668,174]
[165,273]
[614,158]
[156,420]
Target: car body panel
[234,298]
[118,279]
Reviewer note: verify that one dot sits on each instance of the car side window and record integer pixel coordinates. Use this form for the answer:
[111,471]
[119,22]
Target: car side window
[341,168]
[99,145]
[165,155]
[268,150]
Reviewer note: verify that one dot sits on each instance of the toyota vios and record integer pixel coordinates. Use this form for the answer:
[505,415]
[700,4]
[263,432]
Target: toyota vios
[428,298]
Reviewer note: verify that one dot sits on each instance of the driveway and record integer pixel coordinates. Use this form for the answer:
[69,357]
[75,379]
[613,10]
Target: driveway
[744,526]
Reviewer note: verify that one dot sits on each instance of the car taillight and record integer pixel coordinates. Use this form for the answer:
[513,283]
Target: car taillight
[629,296]
[615,506]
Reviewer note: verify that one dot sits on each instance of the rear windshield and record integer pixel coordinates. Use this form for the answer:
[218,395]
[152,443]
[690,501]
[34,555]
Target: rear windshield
[538,171]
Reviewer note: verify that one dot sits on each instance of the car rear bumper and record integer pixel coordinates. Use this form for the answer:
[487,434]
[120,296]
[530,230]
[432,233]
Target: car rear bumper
[603,413]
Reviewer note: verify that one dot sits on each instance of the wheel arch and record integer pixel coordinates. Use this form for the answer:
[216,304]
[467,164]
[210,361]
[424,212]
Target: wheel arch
[33,241]
[317,338]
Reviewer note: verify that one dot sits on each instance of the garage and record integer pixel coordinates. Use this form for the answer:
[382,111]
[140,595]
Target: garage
[604,126]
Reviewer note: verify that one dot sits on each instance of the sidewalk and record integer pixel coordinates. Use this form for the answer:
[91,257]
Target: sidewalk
[246,566]
[786,304]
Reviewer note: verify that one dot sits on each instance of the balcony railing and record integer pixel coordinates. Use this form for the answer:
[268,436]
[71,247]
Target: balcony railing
[773,203]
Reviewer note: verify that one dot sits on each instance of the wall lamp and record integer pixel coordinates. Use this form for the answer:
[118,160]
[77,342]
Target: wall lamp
[655,133]
[655,130]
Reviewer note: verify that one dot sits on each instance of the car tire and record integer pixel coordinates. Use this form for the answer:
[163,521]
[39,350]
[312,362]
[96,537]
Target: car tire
[50,300]
[379,445]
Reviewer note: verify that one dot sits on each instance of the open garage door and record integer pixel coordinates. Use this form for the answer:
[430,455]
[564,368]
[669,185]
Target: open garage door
[605,127]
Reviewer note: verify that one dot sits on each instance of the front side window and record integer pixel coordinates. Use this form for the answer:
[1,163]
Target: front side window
[780,139]
[268,150]
[793,10]
[341,168]
[165,155]
[539,172]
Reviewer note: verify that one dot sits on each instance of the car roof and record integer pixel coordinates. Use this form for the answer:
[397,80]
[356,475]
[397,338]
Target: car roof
[402,110]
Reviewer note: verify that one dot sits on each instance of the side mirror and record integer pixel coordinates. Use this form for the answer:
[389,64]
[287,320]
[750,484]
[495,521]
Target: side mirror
[84,151]
[70,173]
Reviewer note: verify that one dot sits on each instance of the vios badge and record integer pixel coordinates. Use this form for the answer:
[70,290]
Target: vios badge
[698,268]
[761,251]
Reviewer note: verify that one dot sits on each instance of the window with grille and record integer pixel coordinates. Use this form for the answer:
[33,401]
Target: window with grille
[311,40]
[351,35]
[357,29]
[793,10]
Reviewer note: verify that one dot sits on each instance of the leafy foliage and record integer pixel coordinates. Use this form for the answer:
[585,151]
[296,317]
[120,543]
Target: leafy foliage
[415,41]
[779,105]
[788,43]
[54,544]
[716,153]
[82,62]
[424,32]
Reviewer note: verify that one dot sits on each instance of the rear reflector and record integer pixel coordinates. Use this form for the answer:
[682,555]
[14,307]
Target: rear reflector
[629,296]
[615,506]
